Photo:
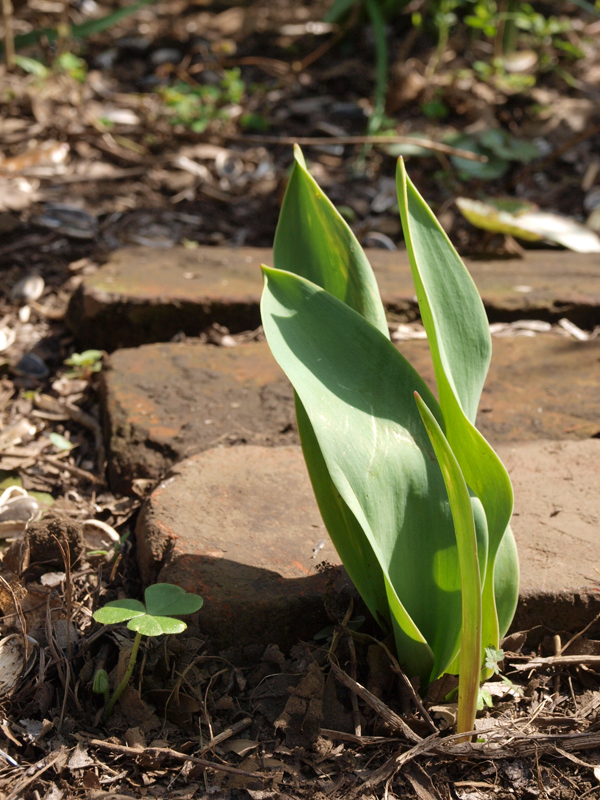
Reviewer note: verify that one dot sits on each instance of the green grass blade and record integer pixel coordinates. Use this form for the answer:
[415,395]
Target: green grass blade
[464,525]
[375,12]
[314,241]
[458,334]
[83,30]
[357,391]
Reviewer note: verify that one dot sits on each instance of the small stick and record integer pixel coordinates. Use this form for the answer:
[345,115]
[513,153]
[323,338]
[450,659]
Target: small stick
[340,736]
[557,652]
[34,772]
[558,661]
[438,147]
[353,697]
[578,635]
[77,471]
[136,751]
[226,734]
[392,719]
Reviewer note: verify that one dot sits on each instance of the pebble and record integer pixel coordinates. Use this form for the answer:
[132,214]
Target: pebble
[165,55]
[31,366]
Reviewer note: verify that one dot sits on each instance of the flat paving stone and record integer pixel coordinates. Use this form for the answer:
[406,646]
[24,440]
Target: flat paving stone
[167,401]
[240,526]
[164,402]
[146,295]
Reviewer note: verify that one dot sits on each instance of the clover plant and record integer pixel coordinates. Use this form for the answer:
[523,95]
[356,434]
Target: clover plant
[163,602]
[415,500]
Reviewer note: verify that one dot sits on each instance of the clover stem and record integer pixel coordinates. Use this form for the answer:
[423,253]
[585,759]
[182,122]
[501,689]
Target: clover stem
[125,680]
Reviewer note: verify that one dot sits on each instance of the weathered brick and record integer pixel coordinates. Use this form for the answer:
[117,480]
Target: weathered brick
[146,295]
[239,526]
[164,402]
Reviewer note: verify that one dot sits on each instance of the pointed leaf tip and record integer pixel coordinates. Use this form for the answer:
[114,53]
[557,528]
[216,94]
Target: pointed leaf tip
[299,156]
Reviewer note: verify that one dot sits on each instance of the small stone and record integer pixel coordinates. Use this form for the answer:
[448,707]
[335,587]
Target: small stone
[31,366]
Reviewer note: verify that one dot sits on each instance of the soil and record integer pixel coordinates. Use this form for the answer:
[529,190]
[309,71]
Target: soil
[253,722]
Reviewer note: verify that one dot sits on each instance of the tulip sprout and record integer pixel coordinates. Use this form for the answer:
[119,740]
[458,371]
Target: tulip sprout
[415,500]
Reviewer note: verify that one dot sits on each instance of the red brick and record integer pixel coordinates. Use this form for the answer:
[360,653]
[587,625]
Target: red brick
[146,295]
[157,398]
[238,526]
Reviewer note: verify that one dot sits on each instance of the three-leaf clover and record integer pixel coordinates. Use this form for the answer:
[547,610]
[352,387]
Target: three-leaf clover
[163,602]
[155,617]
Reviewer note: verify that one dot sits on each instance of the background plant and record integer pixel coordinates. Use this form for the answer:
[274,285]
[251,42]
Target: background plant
[397,520]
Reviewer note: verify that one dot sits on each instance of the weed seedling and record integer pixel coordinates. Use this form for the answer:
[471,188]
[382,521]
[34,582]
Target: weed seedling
[155,617]
[84,364]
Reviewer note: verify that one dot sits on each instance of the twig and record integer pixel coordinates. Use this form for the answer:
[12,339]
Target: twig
[231,731]
[401,674]
[35,771]
[578,635]
[166,751]
[77,471]
[386,713]
[341,736]
[558,661]
[438,147]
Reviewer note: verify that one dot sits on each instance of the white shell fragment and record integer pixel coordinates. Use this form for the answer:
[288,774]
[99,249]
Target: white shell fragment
[7,338]
[17,509]
[98,535]
[12,662]
[28,289]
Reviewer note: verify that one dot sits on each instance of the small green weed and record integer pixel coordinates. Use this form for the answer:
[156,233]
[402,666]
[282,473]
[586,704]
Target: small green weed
[196,107]
[156,617]
[84,364]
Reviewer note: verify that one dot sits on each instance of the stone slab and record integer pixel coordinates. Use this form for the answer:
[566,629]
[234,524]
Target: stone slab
[145,295]
[164,402]
[239,526]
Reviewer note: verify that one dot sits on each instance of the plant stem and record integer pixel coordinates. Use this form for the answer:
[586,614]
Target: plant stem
[381,60]
[9,42]
[125,680]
